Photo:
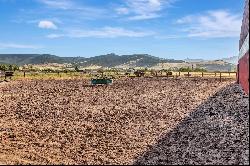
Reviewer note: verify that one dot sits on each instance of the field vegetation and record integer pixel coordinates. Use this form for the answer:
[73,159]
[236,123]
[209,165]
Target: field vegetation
[48,73]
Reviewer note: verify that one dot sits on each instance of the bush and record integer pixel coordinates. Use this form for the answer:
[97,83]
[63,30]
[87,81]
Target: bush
[182,69]
[199,70]
[5,67]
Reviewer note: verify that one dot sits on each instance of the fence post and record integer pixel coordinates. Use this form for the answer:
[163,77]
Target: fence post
[215,74]
[202,74]
[23,74]
[229,74]
[179,73]
[188,74]
[220,77]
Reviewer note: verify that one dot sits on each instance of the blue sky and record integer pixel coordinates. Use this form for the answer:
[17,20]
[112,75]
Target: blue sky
[177,29]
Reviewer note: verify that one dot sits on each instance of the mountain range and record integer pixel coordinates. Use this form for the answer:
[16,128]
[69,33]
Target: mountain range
[232,60]
[113,60]
[109,60]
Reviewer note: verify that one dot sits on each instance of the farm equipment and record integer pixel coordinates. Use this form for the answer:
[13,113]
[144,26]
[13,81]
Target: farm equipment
[101,79]
[139,73]
[9,74]
[129,72]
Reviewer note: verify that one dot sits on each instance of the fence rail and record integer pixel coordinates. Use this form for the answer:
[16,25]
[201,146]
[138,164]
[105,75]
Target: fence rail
[27,74]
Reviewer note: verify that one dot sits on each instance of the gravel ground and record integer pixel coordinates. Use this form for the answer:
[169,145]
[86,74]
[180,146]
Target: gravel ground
[70,122]
[217,133]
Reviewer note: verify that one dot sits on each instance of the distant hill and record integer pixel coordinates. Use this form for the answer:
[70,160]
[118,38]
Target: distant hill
[193,60]
[233,60]
[224,64]
[138,60]
[109,60]
[115,61]
[217,65]
[22,59]
[18,59]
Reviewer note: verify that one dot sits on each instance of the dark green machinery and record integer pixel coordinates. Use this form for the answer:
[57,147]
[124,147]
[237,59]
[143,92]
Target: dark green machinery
[101,81]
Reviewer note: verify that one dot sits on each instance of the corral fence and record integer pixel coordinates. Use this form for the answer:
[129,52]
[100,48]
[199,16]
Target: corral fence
[148,74]
[54,74]
[219,75]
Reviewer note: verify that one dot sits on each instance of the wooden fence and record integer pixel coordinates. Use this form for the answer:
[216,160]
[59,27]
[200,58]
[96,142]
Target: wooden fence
[219,75]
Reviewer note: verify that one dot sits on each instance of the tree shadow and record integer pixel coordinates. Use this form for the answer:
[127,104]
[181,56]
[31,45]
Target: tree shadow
[216,132]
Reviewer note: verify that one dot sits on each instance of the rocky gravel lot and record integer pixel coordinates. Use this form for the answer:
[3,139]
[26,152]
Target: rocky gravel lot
[70,122]
[216,133]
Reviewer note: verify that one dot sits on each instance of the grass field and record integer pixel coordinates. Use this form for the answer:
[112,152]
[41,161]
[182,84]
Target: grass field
[40,75]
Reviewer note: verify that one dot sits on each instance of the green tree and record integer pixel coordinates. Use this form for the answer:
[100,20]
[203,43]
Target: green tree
[15,67]
[188,69]
[183,69]
[199,70]
[3,67]
[10,67]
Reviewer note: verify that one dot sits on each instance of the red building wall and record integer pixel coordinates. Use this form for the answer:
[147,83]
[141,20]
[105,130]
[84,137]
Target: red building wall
[243,64]
[244,72]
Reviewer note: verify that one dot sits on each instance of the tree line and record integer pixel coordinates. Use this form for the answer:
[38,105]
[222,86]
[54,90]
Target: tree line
[5,67]
[13,67]
[188,69]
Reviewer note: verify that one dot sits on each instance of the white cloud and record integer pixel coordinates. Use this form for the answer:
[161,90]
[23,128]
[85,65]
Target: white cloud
[74,9]
[170,37]
[144,17]
[19,46]
[212,24]
[53,36]
[47,25]
[143,9]
[59,4]
[106,32]
[52,19]
[122,10]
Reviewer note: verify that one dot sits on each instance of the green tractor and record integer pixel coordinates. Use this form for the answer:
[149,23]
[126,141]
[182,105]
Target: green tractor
[100,79]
